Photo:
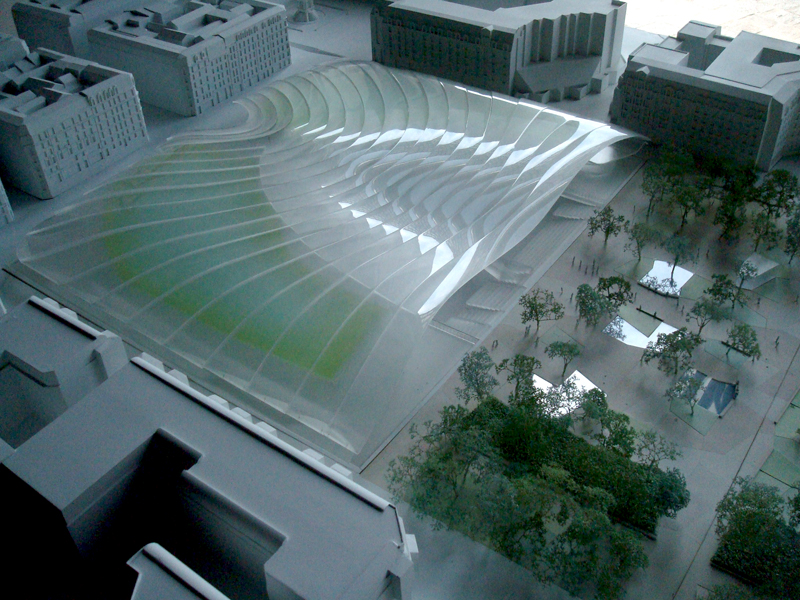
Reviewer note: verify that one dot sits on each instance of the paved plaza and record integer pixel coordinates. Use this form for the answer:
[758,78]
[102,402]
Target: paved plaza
[774,18]
[736,445]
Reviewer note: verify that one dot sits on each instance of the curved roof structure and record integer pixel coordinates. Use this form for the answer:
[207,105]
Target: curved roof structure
[299,257]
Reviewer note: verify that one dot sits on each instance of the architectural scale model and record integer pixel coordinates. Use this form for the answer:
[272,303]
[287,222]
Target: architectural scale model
[62,119]
[199,499]
[551,50]
[188,57]
[5,206]
[61,25]
[308,291]
[735,98]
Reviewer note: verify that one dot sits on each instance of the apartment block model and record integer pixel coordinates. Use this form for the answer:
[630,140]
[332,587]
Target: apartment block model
[734,98]
[61,25]
[138,486]
[62,119]
[188,57]
[549,50]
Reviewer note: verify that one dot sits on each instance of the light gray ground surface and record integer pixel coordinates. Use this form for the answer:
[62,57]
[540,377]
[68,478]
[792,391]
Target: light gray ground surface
[738,444]
[448,565]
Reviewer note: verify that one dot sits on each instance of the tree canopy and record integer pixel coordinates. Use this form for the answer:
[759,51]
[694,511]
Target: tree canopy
[682,249]
[477,381]
[743,338]
[607,222]
[684,391]
[778,193]
[722,290]
[519,372]
[640,235]
[756,542]
[765,230]
[592,305]
[672,350]
[616,289]
[516,478]
[686,198]
[793,234]
[540,305]
[567,351]
[706,310]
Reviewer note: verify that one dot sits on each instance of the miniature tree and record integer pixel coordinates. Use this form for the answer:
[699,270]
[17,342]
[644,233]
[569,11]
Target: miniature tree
[722,290]
[682,250]
[740,179]
[655,184]
[540,305]
[564,350]
[765,230]
[560,401]
[640,234]
[662,174]
[607,222]
[475,372]
[616,288]
[706,310]
[746,272]
[616,432]
[738,189]
[593,404]
[652,448]
[684,391]
[755,540]
[687,198]
[730,591]
[440,466]
[592,306]
[519,371]
[743,338]
[778,193]
[793,234]
[731,216]
[672,350]
[616,328]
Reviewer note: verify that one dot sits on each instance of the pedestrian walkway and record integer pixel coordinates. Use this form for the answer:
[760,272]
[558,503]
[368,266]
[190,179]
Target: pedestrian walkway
[774,18]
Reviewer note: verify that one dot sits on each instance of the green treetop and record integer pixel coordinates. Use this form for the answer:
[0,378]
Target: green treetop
[540,305]
[606,222]
[672,350]
[743,338]
[567,351]
[592,306]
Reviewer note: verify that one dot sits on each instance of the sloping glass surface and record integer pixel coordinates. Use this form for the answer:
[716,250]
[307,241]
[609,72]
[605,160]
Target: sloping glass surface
[301,255]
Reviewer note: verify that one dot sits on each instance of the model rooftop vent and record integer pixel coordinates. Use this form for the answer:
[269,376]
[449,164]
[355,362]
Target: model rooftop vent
[770,56]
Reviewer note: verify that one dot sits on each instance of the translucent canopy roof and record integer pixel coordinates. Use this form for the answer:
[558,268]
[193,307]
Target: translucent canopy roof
[299,257]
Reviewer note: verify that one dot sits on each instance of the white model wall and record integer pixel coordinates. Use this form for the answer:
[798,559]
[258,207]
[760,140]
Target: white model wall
[161,74]
[189,81]
[56,147]
[64,30]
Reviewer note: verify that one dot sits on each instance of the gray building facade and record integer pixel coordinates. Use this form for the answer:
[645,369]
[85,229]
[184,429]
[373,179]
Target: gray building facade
[61,25]
[133,484]
[736,99]
[548,50]
[189,57]
[62,119]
